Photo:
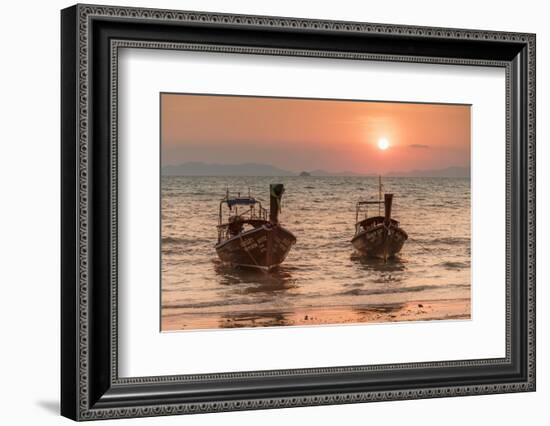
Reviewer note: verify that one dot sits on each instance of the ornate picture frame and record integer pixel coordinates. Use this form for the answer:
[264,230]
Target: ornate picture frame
[91,38]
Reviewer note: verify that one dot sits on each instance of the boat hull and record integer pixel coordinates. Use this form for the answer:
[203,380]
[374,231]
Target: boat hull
[264,247]
[380,241]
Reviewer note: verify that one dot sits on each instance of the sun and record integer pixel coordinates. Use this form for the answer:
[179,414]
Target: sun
[383,144]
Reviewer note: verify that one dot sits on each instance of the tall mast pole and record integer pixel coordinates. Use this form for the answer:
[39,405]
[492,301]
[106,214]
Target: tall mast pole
[379,194]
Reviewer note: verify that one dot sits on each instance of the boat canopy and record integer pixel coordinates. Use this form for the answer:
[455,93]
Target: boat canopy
[241,201]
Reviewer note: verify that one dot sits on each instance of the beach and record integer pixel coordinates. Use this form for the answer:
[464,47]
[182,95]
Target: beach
[456,309]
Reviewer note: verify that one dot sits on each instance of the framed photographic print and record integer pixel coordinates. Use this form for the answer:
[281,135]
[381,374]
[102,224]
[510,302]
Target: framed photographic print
[345,262]
[263,212]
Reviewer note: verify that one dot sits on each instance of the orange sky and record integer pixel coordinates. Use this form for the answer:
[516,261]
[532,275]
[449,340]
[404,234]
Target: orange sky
[303,134]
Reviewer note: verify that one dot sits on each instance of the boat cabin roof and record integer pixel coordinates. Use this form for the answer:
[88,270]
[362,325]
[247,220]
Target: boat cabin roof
[240,201]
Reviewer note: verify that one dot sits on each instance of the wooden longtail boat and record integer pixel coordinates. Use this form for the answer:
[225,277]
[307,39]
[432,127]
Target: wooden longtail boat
[249,238]
[377,236]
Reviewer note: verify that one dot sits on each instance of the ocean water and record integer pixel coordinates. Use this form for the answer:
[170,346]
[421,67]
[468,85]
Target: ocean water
[321,270]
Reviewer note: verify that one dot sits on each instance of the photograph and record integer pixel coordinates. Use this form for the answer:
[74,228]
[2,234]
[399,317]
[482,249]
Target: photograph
[304,212]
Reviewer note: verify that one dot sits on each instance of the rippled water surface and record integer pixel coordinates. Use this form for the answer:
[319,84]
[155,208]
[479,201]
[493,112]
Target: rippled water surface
[321,271]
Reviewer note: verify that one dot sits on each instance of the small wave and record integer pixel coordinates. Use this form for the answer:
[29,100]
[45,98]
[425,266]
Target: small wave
[457,286]
[272,287]
[355,285]
[365,292]
[454,265]
[389,278]
[450,240]
[206,194]
[182,240]
[217,303]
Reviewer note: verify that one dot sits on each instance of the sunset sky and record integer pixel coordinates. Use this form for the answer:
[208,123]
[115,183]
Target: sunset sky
[303,134]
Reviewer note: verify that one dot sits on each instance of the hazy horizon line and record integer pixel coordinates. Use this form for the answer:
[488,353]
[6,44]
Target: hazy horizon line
[202,168]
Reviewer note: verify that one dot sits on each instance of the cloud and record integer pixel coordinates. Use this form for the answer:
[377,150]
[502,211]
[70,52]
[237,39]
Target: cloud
[419,145]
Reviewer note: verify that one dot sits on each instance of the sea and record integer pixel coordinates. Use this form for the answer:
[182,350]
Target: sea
[321,271]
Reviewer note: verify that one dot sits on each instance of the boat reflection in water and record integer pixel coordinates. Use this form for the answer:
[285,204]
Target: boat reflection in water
[253,280]
[375,264]
[249,238]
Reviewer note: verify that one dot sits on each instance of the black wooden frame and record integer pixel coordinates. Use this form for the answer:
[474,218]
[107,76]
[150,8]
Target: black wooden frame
[90,386]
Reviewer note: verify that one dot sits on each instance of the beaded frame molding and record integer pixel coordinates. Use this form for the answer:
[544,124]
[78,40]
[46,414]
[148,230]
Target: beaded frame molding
[91,38]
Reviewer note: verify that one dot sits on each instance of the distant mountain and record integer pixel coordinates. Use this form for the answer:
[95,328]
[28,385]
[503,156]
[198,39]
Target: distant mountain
[206,169]
[197,168]
[448,172]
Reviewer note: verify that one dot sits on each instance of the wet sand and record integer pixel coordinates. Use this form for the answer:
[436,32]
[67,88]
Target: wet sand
[455,309]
